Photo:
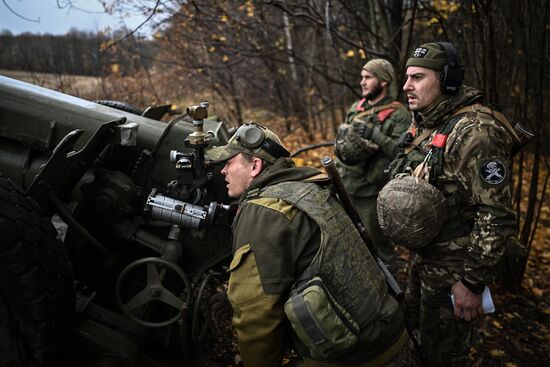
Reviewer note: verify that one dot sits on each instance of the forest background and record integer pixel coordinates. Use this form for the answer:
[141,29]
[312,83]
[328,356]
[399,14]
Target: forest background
[294,66]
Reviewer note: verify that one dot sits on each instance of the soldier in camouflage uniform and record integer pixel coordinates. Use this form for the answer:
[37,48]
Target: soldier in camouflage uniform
[275,242]
[366,143]
[467,151]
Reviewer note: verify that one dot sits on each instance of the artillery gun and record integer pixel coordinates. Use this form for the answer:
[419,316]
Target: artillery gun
[144,235]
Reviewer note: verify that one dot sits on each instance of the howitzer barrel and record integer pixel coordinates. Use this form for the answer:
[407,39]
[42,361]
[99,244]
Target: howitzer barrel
[33,120]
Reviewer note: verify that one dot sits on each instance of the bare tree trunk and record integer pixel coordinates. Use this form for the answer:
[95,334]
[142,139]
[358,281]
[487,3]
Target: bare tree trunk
[290,49]
[530,225]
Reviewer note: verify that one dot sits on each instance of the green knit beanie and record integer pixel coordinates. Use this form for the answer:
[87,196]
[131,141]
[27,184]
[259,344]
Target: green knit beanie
[429,55]
[382,69]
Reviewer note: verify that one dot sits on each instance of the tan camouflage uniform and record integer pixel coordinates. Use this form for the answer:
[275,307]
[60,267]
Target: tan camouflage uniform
[476,164]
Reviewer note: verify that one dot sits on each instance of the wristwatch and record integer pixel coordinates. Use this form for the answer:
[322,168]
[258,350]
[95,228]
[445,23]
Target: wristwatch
[476,288]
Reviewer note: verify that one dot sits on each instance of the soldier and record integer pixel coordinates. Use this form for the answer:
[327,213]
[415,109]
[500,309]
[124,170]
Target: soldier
[366,143]
[290,232]
[463,149]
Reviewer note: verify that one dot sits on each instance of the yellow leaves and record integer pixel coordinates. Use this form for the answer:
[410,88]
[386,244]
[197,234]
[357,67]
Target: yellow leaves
[224,18]
[105,45]
[497,324]
[211,49]
[446,7]
[497,353]
[225,58]
[510,364]
[352,53]
[115,68]
[537,292]
[248,7]
[300,162]
[215,37]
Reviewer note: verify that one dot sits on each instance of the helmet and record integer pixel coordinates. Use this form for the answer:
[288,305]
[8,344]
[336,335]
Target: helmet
[411,211]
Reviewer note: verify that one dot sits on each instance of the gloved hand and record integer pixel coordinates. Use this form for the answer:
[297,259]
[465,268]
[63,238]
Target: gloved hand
[363,129]
[221,308]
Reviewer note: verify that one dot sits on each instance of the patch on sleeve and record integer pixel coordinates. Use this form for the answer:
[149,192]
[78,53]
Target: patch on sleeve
[493,171]
[420,52]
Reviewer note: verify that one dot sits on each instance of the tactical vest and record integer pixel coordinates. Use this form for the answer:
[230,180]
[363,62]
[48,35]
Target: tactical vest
[459,221]
[344,263]
[382,112]
[364,175]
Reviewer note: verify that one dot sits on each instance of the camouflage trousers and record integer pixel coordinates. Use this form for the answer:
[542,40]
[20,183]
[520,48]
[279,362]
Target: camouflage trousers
[444,341]
[366,207]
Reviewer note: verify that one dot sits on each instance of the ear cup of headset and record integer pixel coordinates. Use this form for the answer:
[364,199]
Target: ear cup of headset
[451,78]
[452,74]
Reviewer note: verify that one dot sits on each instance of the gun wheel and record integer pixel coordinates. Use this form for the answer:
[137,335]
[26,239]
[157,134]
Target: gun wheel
[172,294]
[36,285]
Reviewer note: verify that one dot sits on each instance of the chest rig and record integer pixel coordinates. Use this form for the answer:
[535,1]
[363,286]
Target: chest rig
[382,112]
[460,213]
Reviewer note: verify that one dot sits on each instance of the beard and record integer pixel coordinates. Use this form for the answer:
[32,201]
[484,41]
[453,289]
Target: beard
[374,93]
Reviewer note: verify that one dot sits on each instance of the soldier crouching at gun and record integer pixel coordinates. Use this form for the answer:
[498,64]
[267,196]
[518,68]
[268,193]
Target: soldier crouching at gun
[301,274]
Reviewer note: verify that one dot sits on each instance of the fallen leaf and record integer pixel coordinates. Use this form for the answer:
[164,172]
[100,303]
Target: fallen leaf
[496,353]
[537,291]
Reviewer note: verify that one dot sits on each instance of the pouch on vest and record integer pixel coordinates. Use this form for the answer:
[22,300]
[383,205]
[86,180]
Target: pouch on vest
[321,324]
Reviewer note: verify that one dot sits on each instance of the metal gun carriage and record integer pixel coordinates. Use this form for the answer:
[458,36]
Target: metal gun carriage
[143,232]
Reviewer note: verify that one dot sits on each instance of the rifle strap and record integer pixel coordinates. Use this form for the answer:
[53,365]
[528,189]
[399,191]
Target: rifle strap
[478,108]
[419,139]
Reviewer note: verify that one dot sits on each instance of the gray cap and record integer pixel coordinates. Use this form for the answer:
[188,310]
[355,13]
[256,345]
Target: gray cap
[381,68]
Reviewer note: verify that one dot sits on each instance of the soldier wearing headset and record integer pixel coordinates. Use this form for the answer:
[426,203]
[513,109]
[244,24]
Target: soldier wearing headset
[464,149]
[288,221]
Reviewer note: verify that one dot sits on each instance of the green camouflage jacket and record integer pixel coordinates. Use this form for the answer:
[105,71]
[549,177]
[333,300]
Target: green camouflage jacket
[475,177]
[366,177]
[273,243]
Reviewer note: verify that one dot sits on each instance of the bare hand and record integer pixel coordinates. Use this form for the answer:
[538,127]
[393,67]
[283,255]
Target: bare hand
[466,304]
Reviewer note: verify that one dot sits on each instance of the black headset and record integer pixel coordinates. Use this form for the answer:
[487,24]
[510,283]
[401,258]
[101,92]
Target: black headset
[252,136]
[452,74]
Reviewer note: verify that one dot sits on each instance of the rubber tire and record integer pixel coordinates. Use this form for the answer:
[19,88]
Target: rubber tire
[121,106]
[37,295]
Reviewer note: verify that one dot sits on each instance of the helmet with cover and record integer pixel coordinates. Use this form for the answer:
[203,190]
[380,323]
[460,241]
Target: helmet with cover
[411,211]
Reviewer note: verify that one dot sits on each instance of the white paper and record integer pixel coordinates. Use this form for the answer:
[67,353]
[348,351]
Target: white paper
[486,301]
